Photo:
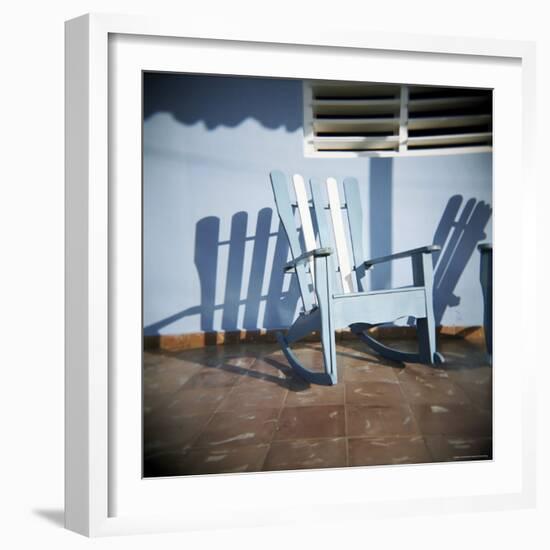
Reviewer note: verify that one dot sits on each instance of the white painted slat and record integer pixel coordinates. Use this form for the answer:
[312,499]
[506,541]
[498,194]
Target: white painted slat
[305,217]
[432,104]
[339,235]
[351,143]
[355,125]
[347,89]
[355,106]
[428,123]
[410,152]
[451,139]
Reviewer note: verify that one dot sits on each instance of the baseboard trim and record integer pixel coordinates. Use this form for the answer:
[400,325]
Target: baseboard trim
[194,340]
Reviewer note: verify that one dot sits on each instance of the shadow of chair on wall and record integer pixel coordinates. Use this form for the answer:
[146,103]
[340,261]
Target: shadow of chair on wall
[460,230]
[245,278]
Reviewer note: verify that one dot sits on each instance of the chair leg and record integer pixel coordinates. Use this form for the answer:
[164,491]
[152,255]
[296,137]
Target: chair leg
[323,269]
[425,327]
[427,341]
[328,345]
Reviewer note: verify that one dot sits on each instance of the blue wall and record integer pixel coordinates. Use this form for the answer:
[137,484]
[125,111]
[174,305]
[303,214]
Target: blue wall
[209,144]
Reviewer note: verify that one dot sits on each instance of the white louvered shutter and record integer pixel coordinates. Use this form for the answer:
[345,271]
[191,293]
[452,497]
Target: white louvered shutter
[355,119]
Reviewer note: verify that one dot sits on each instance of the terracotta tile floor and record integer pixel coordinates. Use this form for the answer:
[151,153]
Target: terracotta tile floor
[240,408]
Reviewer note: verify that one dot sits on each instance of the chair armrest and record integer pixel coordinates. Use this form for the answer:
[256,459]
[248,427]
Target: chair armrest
[317,253]
[422,250]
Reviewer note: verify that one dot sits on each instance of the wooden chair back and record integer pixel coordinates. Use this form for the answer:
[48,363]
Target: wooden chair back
[319,215]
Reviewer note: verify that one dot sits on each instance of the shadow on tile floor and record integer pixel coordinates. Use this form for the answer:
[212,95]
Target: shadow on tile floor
[240,408]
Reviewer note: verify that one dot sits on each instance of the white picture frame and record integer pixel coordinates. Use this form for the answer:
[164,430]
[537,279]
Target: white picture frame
[104,493]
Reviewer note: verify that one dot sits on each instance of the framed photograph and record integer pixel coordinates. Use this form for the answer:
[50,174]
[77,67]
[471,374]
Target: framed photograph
[280,294]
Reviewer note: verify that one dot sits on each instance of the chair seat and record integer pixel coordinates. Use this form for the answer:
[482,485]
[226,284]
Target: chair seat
[376,307]
[375,292]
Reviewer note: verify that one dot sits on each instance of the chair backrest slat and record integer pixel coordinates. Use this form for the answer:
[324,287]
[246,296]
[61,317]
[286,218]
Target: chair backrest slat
[329,209]
[325,234]
[284,208]
[355,218]
[340,235]
[305,216]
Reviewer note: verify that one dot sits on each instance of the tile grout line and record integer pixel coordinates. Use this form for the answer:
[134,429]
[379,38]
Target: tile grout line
[411,409]
[415,420]
[207,423]
[169,396]
[275,430]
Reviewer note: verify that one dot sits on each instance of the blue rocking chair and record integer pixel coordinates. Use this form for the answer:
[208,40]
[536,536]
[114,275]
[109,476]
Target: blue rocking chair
[332,297]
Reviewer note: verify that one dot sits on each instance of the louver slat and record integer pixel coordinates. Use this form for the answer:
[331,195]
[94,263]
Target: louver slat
[354,143]
[448,121]
[393,120]
[355,106]
[455,139]
[351,125]
[419,105]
